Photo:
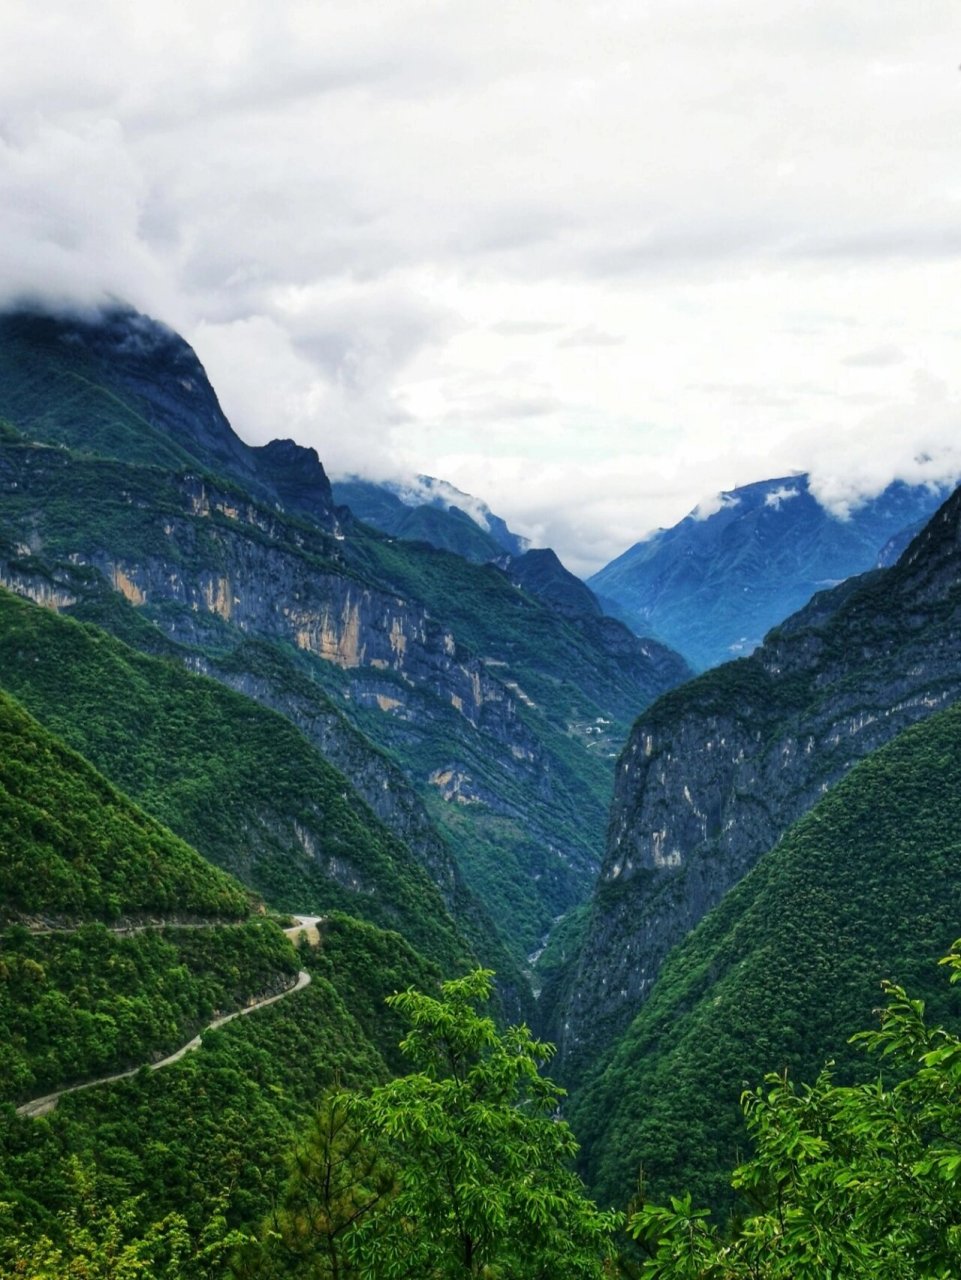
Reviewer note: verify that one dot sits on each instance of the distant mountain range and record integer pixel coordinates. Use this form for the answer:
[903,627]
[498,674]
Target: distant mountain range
[714,584]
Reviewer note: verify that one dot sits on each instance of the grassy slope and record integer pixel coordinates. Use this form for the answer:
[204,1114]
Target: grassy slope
[867,886]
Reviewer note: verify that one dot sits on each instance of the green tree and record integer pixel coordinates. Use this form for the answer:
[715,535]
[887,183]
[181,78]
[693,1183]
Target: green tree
[849,1182]
[96,1240]
[484,1183]
[336,1179]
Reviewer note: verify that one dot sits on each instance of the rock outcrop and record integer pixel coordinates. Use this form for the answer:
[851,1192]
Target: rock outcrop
[716,770]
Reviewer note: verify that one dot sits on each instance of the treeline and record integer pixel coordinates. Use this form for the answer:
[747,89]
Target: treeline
[460,1170]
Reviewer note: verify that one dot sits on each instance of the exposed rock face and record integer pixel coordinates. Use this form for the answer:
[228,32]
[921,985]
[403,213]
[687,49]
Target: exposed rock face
[212,569]
[715,771]
[502,713]
[242,565]
[270,592]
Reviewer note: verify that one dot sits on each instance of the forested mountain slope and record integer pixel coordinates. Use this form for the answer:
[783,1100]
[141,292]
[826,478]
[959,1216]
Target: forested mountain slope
[486,699]
[74,848]
[117,943]
[78,862]
[117,384]
[865,887]
[235,779]
[715,771]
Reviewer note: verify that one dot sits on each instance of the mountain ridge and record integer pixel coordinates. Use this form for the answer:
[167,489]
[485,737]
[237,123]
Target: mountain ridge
[785,968]
[715,583]
[487,700]
[716,770]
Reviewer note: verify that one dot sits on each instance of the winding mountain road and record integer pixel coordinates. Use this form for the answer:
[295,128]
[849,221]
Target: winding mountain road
[305,924]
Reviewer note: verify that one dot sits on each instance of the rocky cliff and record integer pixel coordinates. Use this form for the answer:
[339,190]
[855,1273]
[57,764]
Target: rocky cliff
[780,975]
[397,660]
[715,771]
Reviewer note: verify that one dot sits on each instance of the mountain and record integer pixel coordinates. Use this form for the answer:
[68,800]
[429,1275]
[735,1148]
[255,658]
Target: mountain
[472,717]
[714,584]
[715,771]
[118,943]
[115,383]
[425,509]
[541,574]
[232,777]
[785,969]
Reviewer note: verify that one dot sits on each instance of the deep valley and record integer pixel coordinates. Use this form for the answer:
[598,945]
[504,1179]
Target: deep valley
[231,694]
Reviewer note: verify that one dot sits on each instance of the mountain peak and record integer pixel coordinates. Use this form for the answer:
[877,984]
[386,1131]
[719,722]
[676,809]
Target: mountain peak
[714,584]
[411,509]
[131,388]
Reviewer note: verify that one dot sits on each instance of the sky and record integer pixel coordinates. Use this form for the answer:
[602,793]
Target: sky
[591,262]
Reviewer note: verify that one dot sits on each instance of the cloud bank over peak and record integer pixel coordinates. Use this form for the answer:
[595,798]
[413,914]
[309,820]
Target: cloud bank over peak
[69,219]
[589,271]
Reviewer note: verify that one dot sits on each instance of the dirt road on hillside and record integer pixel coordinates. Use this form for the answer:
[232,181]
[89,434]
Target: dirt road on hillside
[306,925]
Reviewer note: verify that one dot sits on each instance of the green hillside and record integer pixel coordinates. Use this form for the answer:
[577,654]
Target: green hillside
[538,776]
[866,887]
[118,943]
[73,847]
[206,1137]
[78,998]
[119,462]
[235,779]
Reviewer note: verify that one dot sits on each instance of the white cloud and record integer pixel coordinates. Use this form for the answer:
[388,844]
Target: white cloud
[876,357]
[71,201]
[598,264]
[708,507]
[783,493]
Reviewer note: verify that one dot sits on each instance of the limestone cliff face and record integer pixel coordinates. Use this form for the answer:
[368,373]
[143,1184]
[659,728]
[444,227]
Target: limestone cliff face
[715,771]
[126,498]
[390,651]
[210,565]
